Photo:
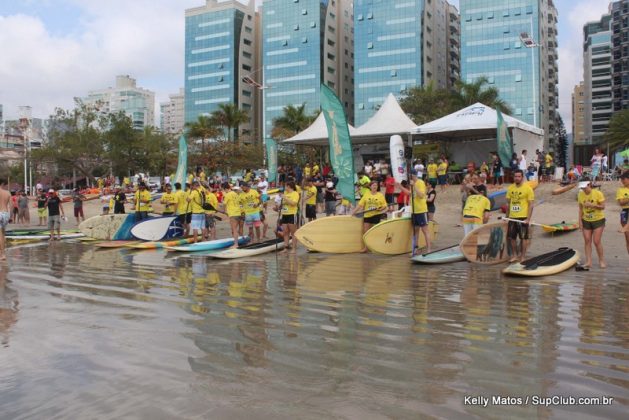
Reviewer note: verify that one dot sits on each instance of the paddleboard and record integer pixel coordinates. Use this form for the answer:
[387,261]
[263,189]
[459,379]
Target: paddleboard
[209,245]
[561,227]
[398,163]
[533,183]
[563,188]
[160,244]
[497,199]
[109,227]
[42,237]
[158,229]
[487,244]
[250,250]
[546,264]
[395,236]
[335,234]
[115,244]
[442,256]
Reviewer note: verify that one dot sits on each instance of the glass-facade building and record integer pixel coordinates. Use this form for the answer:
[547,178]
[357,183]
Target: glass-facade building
[495,35]
[387,51]
[219,52]
[305,43]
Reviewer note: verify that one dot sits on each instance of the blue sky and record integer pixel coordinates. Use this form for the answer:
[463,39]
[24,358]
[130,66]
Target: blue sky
[54,50]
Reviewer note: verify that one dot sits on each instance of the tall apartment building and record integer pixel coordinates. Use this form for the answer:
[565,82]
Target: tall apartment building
[400,44]
[220,46]
[620,54]
[137,103]
[172,119]
[597,70]
[306,43]
[578,115]
[514,44]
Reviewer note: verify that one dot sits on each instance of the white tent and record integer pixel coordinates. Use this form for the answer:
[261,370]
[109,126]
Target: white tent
[316,134]
[470,133]
[389,120]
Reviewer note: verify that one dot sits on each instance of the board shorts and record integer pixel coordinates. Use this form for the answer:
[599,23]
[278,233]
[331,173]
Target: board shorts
[253,220]
[320,197]
[593,225]
[432,181]
[624,217]
[237,219]
[442,179]
[4,219]
[420,219]
[54,222]
[210,221]
[373,220]
[288,219]
[264,198]
[198,221]
[79,212]
[517,230]
[185,218]
[41,212]
[330,208]
[389,198]
[311,211]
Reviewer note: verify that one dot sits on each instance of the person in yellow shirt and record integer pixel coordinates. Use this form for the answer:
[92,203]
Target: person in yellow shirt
[419,216]
[520,198]
[363,183]
[476,211]
[591,221]
[548,166]
[315,169]
[196,200]
[307,171]
[231,204]
[311,200]
[374,205]
[432,172]
[250,202]
[622,196]
[169,200]
[210,215]
[290,204]
[442,170]
[142,201]
[182,208]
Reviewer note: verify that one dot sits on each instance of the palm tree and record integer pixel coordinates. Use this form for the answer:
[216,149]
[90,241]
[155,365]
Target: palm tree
[293,121]
[204,128]
[617,135]
[427,103]
[229,116]
[466,94]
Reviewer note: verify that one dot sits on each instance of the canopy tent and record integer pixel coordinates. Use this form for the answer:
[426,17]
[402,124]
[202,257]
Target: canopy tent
[316,134]
[473,131]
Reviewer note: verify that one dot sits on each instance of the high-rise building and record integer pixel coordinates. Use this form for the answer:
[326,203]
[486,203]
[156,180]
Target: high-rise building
[306,43]
[401,44]
[172,113]
[578,115]
[514,45]
[221,40]
[597,79]
[620,54]
[135,102]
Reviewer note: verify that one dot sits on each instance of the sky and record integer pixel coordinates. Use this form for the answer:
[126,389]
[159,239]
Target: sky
[54,50]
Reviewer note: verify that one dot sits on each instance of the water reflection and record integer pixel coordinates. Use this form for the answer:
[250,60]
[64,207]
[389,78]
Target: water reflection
[8,306]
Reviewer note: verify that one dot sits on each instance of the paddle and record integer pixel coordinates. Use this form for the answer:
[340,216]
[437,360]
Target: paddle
[277,224]
[361,213]
[439,250]
[536,264]
[530,223]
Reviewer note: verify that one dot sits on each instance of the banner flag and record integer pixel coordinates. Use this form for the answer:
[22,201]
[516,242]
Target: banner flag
[182,165]
[271,159]
[505,146]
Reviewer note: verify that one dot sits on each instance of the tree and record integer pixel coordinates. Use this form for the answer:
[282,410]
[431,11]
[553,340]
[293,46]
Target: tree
[227,156]
[466,94]
[427,103]
[617,134]
[204,128]
[561,145]
[293,121]
[231,118]
[126,154]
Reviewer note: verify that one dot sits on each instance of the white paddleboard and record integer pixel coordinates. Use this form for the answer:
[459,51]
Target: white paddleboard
[250,250]
[157,229]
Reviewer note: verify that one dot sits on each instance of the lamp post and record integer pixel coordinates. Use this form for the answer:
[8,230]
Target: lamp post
[530,43]
[24,130]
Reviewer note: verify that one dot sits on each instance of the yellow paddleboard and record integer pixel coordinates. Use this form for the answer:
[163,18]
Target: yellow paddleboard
[395,236]
[533,183]
[335,234]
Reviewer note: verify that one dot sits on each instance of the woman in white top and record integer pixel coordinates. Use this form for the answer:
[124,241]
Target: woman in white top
[595,163]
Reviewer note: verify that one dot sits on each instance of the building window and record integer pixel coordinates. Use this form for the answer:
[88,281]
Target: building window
[491,80]
[330,70]
[246,54]
[369,15]
[529,10]
[247,41]
[248,29]
[246,67]
[505,13]
[284,42]
[296,27]
[505,30]
[331,56]
[370,45]
[517,44]
[529,111]
[518,111]
[518,77]
[246,93]
[360,17]
[313,24]
[490,15]
[330,43]
[479,16]
[361,106]
[304,11]
[393,73]
[220,78]
[517,12]
[468,18]
[331,84]
[304,40]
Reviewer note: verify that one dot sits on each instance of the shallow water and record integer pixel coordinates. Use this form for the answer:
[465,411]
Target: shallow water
[88,333]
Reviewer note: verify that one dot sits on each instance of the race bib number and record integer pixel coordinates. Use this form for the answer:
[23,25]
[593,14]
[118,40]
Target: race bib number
[515,208]
[589,215]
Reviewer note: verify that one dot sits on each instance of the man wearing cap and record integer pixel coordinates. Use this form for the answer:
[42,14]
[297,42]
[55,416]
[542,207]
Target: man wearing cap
[142,201]
[591,221]
[520,198]
[622,196]
[432,172]
[53,202]
[250,202]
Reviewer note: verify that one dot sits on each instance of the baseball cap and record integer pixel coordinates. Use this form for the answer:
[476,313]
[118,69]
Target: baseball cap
[584,184]
[329,184]
[51,190]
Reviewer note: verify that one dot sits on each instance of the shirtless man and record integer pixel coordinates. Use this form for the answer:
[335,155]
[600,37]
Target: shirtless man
[5,199]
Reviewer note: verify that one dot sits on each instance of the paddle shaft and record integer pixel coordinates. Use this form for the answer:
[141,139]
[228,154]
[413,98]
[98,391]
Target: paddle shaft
[523,222]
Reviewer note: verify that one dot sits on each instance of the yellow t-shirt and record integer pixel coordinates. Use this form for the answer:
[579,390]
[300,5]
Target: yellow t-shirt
[315,169]
[475,206]
[142,196]
[518,199]
[623,192]
[442,168]
[420,205]
[307,171]
[311,190]
[364,185]
[549,160]
[232,204]
[202,176]
[372,202]
[211,198]
[595,197]
[289,209]
[250,201]
[432,170]
[190,178]
[182,201]
[170,201]
[195,202]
